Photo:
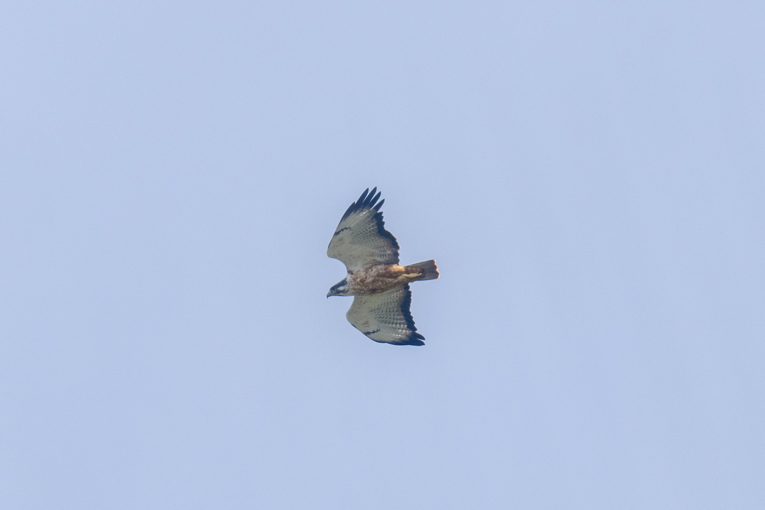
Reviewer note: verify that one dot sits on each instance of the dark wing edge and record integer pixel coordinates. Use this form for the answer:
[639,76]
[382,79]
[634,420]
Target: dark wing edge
[415,338]
[367,200]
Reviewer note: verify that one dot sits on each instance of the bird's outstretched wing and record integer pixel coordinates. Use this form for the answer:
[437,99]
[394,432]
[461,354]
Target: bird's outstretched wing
[360,239]
[385,317]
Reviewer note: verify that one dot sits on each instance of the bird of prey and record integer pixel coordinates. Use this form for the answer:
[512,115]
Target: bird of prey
[379,285]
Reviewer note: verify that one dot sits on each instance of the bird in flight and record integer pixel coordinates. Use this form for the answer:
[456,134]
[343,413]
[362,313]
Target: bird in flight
[379,285]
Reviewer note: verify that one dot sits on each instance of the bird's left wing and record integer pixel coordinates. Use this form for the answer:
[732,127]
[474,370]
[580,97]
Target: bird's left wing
[385,317]
[360,240]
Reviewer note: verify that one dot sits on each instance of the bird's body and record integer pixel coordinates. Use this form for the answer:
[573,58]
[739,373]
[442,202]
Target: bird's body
[377,279]
[380,285]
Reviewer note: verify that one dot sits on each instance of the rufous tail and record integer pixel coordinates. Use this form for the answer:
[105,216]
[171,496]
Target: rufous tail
[429,269]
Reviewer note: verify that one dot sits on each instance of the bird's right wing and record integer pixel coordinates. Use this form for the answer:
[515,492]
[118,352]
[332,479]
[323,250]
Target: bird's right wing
[360,240]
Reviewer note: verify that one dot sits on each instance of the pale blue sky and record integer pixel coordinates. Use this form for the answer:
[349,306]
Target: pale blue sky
[589,176]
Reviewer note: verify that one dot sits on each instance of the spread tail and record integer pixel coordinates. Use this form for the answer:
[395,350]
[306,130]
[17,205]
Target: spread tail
[429,269]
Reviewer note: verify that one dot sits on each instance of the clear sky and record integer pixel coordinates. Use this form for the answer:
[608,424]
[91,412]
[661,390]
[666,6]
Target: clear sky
[590,177]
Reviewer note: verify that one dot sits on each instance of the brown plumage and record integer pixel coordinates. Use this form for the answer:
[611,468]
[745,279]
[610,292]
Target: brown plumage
[380,309]
[381,278]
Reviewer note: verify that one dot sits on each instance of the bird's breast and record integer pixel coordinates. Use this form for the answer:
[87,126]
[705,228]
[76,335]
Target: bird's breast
[375,279]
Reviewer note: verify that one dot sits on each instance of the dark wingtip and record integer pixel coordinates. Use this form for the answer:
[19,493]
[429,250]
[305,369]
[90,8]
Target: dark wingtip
[415,338]
[366,200]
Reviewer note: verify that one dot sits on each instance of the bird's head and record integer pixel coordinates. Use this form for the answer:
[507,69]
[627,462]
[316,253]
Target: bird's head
[339,289]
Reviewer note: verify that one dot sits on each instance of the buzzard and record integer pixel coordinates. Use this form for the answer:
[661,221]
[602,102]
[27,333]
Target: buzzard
[379,285]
